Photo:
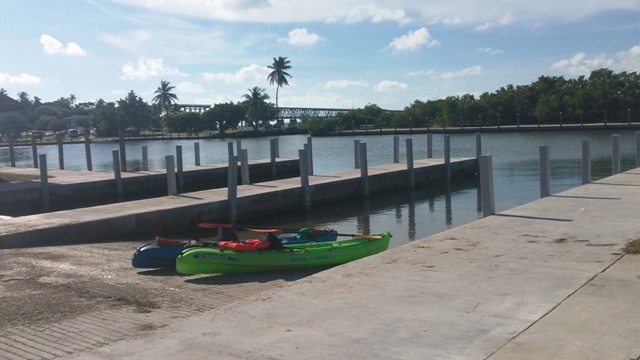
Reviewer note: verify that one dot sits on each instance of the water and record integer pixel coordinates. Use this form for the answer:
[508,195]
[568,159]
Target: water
[407,215]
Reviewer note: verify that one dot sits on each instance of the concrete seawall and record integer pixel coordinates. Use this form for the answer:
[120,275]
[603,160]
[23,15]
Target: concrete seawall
[75,189]
[168,213]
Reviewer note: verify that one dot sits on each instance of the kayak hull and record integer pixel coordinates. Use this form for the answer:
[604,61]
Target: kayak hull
[158,256]
[217,261]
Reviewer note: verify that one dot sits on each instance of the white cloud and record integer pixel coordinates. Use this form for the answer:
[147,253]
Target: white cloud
[22,79]
[413,40]
[55,47]
[146,68]
[302,37]
[371,12]
[131,40]
[478,14]
[475,70]
[489,51]
[582,64]
[389,85]
[189,88]
[502,21]
[341,84]
[247,75]
[421,73]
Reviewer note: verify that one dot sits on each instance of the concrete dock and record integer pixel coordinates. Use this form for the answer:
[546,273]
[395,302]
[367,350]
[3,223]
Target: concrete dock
[546,280]
[170,213]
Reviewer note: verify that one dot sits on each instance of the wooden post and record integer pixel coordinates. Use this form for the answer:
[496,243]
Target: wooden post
[34,151]
[272,148]
[310,155]
[123,152]
[615,154]
[232,189]
[304,179]
[356,155]
[410,173]
[60,151]
[87,149]
[364,171]
[396,149]
[196,151]
[486,185]
[586,161]
[172,188]
[145,158]
[117,175]
[447,158]
[44,182]
[545,172]
[12,155]
[180,172]
[244,166]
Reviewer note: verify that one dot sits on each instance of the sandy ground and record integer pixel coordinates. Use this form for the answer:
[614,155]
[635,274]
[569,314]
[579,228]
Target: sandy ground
[52,287]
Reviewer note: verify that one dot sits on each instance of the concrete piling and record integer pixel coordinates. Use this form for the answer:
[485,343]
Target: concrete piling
[364,170]
[60,151]
[545,171]
[410,173]
[486,185]
[117,175]
[145,158]
[44,182]
[232,189]
[304,179]
[87,149]
[615,154]
[172,188]
[180,170]
[586,161]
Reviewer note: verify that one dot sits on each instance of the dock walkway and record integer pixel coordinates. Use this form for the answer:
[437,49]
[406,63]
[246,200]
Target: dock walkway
[546,280]
[184,211]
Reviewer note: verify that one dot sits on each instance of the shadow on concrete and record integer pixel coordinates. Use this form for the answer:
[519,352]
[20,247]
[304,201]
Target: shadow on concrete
[262,277]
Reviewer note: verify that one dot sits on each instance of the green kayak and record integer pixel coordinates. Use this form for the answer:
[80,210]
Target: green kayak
[206,260]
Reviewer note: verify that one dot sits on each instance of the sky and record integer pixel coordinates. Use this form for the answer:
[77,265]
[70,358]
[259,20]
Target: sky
[343,54]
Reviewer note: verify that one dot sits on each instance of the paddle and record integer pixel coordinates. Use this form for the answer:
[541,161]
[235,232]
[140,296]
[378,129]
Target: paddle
[254,228]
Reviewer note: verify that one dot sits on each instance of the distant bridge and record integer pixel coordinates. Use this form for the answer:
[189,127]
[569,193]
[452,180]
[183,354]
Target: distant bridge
[284,112]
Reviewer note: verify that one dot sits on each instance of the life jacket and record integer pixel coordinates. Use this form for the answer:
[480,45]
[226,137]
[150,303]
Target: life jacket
[249,245]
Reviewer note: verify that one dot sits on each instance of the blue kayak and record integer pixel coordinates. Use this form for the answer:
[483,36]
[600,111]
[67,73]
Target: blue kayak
[162,253]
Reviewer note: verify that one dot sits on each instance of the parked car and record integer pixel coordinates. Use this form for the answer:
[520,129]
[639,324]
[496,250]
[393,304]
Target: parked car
[72,133]
[37,134]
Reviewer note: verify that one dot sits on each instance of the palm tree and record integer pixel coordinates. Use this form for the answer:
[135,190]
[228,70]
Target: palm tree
[279,74]
[256,104]
[165,98]
[24,97]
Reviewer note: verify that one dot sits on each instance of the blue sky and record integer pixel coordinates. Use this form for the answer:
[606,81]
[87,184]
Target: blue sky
[344,53]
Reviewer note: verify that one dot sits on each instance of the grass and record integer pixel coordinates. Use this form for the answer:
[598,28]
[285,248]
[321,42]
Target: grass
[632,247]
[11,177]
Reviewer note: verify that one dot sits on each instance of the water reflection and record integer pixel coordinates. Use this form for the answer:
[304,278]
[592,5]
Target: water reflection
[409,215]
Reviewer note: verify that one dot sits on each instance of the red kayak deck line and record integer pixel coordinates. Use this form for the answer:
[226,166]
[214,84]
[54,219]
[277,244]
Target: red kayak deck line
[160,215]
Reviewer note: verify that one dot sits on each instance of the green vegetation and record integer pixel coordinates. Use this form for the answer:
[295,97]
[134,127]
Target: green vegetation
[11,177]
[604,96]
[632,247]
[279,74]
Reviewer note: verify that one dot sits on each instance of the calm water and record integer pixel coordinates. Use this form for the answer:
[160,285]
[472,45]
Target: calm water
[407,215]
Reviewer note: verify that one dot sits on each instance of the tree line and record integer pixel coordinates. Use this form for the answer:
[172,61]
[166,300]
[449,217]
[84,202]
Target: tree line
[604,96]
[134,115]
